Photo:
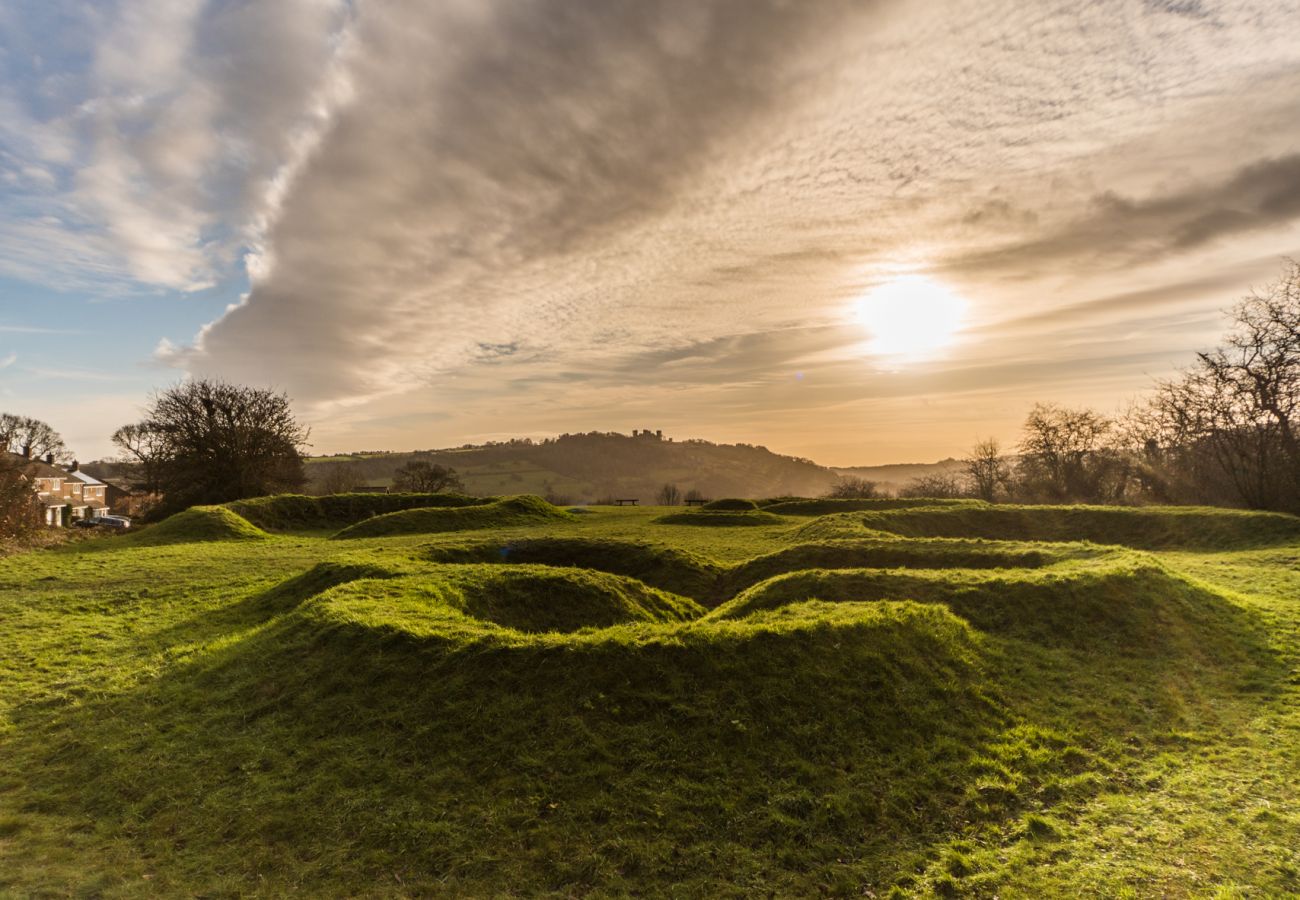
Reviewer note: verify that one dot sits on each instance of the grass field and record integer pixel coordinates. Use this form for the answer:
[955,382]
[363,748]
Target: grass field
[503,698]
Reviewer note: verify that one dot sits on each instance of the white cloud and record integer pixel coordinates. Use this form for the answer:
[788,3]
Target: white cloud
[175,143]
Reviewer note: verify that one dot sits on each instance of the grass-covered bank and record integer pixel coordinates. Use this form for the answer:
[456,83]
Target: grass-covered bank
[543,708]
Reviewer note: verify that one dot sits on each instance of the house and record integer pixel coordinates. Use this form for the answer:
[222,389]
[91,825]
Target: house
[92,493]
[65,495]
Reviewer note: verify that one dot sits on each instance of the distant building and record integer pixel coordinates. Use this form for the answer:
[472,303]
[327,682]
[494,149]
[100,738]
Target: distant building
[65,495]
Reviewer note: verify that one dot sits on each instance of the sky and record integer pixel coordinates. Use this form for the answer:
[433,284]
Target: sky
[860,231]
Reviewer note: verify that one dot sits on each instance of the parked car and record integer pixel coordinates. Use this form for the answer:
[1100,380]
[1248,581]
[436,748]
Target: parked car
[120,523]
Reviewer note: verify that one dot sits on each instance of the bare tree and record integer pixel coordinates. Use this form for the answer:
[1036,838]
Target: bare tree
[341,478]
[31,438]
[852,488]
[938,485]
[1226,427]
[1063,453]
[669,495]
[423,477]
[987,470]
[145,449]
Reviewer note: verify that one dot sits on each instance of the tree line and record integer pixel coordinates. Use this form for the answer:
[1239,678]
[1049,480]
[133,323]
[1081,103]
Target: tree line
[1221,432]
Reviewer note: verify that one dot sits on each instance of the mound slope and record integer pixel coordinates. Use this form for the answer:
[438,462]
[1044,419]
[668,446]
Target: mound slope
[666,568]
[286,512]
[829,505]
[730,503]
[886,554]
[1120,600]
[1147,528]
[711,583]
[524,598]
[720,518]
[201,523]
[504,513]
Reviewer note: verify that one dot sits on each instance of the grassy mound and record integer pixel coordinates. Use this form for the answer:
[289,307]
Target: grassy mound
[825,506]
[888,554]
[667,568]
[1121,600]
[292,715]
[1147,528]
[720,518]
[376,742]
[730,503]
[504,513]
[837,526]
[296,512]
[711,583]
[200,523]
[524,598]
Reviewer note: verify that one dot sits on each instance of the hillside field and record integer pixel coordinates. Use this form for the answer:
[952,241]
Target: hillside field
[438,695]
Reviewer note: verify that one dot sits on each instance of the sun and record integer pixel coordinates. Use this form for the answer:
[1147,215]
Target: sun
[910,317]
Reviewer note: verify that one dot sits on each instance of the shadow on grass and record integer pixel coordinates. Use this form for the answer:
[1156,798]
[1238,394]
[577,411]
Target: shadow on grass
[814,748]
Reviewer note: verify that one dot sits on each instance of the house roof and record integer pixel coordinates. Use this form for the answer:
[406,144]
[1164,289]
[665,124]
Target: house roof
[34,468]
[83,477]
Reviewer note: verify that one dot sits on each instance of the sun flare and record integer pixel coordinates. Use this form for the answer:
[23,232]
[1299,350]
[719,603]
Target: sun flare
[911,317]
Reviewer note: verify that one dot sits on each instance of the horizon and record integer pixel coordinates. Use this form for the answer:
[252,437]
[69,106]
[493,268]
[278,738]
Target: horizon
[861,234]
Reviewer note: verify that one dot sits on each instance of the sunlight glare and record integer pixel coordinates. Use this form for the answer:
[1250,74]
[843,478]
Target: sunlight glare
[910,317]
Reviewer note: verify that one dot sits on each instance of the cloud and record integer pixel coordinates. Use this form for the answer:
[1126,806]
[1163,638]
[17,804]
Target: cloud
[1120,231]
[490,154]
[448,203]
[177,123]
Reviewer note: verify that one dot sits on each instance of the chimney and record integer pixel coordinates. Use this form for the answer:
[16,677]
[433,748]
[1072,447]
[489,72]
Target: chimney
[27,451]
[75,466]
[49,459]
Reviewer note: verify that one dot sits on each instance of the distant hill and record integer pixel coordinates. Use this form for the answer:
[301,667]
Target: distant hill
[584,468]
[577,468]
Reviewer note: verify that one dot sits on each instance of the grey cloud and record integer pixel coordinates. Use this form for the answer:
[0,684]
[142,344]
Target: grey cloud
[1121,231]
[484,138]
[1226,285]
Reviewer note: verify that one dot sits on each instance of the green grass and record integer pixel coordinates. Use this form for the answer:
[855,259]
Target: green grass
[1203,528]
[296,512]
[721,518]
[199,523]
[829,505]
[732,504]
[503,513]
[545,706]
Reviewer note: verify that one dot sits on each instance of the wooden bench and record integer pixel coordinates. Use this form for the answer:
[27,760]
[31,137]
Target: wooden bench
[630,501]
